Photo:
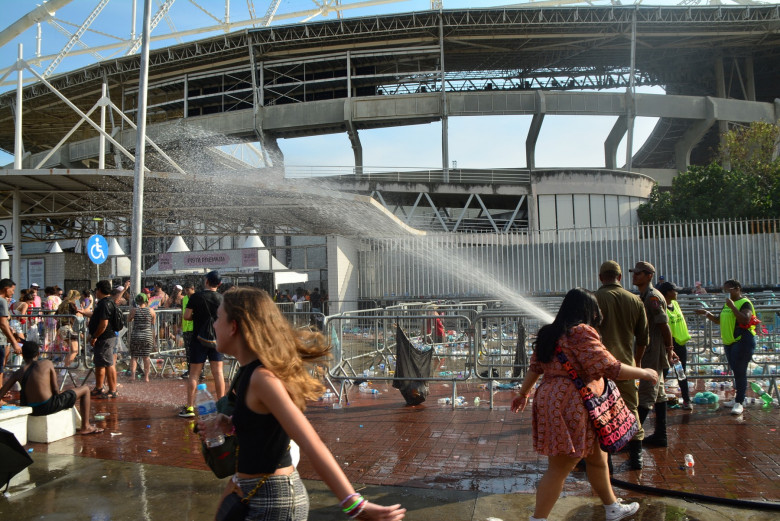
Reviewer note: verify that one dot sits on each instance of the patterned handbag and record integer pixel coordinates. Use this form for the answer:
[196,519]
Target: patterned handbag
[615,424]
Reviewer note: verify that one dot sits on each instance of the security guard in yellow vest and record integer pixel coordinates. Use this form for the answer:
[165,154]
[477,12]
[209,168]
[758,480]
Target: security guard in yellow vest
[737,322]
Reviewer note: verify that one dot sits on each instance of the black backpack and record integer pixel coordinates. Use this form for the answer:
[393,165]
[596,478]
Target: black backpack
[206,335]
[117,320]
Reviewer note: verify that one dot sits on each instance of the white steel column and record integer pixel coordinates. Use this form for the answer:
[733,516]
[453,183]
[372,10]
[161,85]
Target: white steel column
[16,240]
[631,101]
[18,150]
[445,141]
[140,145]
[102,138]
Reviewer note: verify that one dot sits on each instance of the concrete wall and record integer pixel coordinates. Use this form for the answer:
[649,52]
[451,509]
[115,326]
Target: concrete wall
[588,198]
[343,279]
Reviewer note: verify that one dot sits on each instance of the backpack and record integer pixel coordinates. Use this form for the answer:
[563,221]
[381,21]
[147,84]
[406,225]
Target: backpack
[117,321]
[206,336]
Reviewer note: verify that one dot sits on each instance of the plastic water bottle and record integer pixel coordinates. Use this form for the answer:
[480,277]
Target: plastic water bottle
[678,368]
[689,460]
[207,413]
[364,388]
[760,392]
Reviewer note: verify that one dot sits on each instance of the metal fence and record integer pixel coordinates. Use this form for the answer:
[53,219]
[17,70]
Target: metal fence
[554,261]
[477,340]
[483,343]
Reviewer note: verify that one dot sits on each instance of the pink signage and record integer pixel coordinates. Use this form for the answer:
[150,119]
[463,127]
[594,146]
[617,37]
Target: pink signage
[164,262]
[206,258]
[249,258]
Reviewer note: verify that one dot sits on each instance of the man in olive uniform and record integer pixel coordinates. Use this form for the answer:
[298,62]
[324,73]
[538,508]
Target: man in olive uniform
[624,323]
[659,352]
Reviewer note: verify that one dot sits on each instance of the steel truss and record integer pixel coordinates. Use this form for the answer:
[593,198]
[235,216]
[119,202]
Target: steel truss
[487,49]
[501,49]
[445,213]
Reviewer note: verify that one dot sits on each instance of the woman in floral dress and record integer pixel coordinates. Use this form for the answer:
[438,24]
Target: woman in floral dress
[562,429]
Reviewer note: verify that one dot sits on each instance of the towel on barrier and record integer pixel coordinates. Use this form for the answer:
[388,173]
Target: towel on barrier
[411,363]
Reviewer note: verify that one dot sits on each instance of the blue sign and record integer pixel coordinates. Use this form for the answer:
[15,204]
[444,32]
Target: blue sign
[97,249]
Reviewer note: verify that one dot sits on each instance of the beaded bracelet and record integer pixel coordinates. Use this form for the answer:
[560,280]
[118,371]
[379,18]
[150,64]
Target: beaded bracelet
[344,501]
[347,510]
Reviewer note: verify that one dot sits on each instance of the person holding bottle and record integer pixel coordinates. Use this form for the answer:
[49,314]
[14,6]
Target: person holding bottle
[738,331]
[271,390]
[680,334]
[562,429]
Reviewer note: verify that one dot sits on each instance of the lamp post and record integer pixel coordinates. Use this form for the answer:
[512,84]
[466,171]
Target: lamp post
[140,156]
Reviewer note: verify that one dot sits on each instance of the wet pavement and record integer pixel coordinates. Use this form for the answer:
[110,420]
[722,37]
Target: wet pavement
[471,463]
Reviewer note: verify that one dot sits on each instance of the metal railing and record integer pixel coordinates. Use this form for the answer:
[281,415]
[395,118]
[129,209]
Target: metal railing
[495,347]
[481,342]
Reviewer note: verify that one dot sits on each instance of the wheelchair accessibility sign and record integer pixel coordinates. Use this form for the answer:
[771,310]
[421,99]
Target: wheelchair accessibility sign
[97,249]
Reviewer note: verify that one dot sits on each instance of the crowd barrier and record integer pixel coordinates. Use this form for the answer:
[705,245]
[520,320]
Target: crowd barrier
[471,340]
[481,342]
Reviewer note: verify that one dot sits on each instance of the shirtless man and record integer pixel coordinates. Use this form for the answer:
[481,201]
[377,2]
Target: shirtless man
[39,389]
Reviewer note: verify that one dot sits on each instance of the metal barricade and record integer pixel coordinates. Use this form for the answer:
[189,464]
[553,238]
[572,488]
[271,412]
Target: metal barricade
[504,344]
[169,354]
[57,342]
[364,346]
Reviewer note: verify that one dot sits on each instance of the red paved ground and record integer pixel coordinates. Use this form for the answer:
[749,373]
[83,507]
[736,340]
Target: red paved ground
[381,441]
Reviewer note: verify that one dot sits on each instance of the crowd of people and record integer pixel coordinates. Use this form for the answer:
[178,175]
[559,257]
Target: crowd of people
[608,334]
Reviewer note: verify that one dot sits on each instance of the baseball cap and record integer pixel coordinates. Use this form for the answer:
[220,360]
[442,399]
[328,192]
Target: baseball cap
[610,266]
[34,285]
[177,286]
[643,266]
[667,286]
[214,278]
[697,283]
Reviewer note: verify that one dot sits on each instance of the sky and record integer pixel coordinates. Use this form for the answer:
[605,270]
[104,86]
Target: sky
[474,142]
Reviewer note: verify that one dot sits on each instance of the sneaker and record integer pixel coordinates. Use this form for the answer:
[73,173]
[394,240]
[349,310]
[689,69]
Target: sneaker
[185,375]
[687,406]
[187,412]
[737,409]
[729,403]
[618,510]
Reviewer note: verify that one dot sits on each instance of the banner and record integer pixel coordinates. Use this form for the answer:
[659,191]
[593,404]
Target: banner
[245,260]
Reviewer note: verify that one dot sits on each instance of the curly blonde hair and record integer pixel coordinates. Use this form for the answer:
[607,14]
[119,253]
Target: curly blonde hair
[286,352]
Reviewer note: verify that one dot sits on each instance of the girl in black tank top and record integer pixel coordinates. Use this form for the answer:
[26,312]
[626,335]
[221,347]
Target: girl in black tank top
[271,395]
